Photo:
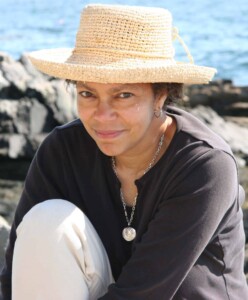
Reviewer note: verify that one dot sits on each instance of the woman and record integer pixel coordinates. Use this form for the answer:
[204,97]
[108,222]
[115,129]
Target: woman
[136,199]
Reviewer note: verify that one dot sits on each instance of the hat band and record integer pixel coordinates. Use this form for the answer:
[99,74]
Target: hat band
[175,35]
[136,54]
[139,54]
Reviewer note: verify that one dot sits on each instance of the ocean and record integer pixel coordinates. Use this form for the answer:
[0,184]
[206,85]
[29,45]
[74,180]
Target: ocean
[216,32]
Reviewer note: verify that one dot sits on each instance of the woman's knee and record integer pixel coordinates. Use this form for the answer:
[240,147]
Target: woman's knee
[49,217]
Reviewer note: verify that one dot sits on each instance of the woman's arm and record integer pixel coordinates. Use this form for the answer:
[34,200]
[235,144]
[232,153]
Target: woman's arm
[45,180]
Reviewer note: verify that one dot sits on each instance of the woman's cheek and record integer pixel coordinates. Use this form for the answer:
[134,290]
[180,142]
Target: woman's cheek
[83,112]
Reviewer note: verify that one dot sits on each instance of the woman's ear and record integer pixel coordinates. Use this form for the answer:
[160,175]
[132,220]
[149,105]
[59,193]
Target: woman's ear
[160,99]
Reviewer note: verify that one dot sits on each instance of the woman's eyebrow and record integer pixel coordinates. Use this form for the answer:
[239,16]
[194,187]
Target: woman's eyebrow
[115,89]
[84,85]
[124,87]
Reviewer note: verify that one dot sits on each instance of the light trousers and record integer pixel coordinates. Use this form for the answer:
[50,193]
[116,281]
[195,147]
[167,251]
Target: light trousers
[58,255]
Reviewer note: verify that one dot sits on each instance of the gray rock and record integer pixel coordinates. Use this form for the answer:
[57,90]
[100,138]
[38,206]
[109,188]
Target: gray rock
[17,144]
[4,234]
[38,116]
[221,95]
[20,146]
[31,70]
[64,108]
[241,162]
[15,73]
[31,103]
[199,99]
[236,136]
[8,112]
[24,116]
[42,90]
[4,84]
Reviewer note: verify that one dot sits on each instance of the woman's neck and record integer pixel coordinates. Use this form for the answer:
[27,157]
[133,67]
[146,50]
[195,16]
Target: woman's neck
[133,165]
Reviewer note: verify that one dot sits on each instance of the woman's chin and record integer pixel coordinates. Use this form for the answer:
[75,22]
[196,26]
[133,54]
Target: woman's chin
[109,150]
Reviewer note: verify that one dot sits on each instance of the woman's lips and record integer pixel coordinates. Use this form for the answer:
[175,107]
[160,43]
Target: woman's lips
[108,134]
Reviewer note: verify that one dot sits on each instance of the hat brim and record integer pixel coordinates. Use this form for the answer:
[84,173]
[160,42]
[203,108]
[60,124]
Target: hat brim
[58,63]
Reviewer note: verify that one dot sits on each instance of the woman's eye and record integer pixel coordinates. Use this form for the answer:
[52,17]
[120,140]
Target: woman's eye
[125,95]
[85,94]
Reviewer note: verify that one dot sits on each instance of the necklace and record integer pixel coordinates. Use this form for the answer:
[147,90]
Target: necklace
[129,233]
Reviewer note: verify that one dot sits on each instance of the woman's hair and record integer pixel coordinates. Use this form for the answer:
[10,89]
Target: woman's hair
[174,90]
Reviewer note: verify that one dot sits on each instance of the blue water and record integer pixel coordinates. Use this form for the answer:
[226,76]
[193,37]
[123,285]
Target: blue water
[216,32]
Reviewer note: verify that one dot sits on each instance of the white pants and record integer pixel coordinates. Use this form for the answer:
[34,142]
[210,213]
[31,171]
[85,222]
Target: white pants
[58,255]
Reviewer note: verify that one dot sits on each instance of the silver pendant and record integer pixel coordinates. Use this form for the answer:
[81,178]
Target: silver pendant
[129,234]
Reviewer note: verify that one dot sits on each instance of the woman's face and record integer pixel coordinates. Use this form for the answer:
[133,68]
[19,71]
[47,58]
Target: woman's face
[119,117]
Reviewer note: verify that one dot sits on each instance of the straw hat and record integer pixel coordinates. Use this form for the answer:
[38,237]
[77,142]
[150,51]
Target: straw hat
[122,44]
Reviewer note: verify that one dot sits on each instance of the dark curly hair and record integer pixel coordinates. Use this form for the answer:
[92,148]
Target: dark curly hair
[174,90]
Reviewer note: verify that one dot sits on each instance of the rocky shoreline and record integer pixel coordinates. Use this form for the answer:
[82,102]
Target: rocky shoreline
[32,104]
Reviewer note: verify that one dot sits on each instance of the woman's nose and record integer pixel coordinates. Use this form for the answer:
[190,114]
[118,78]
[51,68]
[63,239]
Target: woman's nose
[104,112]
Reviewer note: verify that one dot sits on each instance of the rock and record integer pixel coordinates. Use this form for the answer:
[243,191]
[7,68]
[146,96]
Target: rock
[20,146]
[25,116]
[17,143]
[8,111]
[241,162]
[4,234]
[31,70]
[237,109]
[38,118]
[64,108]
[4,84]
[31,103]
[15,73]
[221,95]
[246,263]
[59,100]
[232,133]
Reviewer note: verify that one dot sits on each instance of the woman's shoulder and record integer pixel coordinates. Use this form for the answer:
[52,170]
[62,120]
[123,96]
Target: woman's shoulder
[73,127]
[195,130]
[72,132]
[68,139]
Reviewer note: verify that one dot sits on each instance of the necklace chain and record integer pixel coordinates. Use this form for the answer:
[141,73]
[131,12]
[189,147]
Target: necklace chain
[129,220]
[160,144]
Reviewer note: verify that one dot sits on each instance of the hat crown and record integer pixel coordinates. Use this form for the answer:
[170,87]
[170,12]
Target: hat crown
[128,29]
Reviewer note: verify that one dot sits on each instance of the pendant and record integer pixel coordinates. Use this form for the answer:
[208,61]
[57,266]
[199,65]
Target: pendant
[129,234]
